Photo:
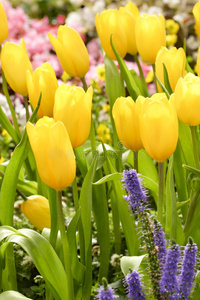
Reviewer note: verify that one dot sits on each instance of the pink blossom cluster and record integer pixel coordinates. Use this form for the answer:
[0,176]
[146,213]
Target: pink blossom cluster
[35,34]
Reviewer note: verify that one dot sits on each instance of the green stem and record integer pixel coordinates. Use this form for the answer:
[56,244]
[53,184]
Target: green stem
[160,191]
[92,130]
[26,108]
[135,155]
[84,84]
[75,194]
[154,77]
[65,245]
[144,84]
[54,216]
[195,149]
[12,110]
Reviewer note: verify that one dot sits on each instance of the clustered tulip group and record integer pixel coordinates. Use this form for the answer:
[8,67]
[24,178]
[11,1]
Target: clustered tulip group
[65,111]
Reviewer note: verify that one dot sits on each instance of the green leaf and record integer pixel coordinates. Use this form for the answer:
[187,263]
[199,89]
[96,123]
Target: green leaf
[114,83]
[101,216]
[8,189]
[13,295]
[78,270]
[186,144]
[162,87]
[192,170]
[114,89]
[180,178]
[128,78]
[173,222]
[8,295]
[43,255]
[85,202]
[8,126]
[109,177]
[128,263]
[166,80]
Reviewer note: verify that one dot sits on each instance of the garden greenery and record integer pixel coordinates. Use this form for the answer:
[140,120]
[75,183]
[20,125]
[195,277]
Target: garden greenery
[103,172]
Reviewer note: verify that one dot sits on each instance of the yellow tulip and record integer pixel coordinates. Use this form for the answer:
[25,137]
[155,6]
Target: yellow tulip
[196,13]
[72,106]
[158,126]
[175,61]
[150,36]
[112,21]
[71,51]
[42,80]
[187,99]
[126,117]
[36,210]
[15,63]
[131,13]
[3,24]
[53,152]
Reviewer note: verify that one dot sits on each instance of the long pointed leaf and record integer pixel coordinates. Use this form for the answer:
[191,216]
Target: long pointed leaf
[86,208]
[43,256]
[128,78]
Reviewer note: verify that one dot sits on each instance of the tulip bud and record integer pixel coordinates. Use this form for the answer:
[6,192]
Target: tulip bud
[36,210]
[158,126]
[73,107]
[15,63]
[196,13]
[53,152]
[174,60]
[187,99]
[131,13]
[112,21]
[3,24]
[71,51]
[42,80]
[126,118]
[150,36]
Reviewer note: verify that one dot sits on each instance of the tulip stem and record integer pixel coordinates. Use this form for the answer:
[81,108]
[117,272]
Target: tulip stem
[11,107]
[135,156]
[144,84]
[154,77]
[84,84]
[75,194]
[195,149]
[65,245]
[92,130]
[26,107]
[160,191]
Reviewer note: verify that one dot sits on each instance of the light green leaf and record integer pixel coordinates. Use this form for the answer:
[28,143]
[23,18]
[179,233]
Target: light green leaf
[43,255]
[128,263]
[109,177]
[8,295]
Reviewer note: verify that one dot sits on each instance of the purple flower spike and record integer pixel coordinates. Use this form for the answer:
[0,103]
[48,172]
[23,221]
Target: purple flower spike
[188,269]
[105,292]
[136,193]
[160,242]
[168,283]
[134,287]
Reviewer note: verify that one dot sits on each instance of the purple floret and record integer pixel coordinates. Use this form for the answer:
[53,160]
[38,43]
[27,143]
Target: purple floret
[188,270]
[134,289]
[136,193]
[168,284]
